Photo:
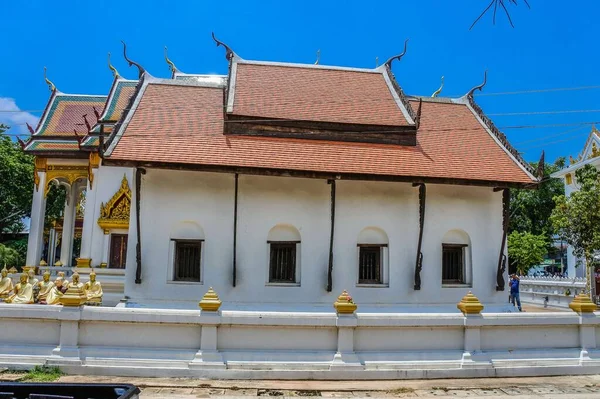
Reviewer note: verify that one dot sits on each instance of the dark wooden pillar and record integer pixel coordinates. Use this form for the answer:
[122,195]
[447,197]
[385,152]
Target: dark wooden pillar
[419,261]
[330,268]
[138,249]
[500,283]
[235,212]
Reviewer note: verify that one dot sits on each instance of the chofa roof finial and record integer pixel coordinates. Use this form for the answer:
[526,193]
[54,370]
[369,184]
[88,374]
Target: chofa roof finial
[170,63]
[388,63]
[438,91]
[318,57]
[140,68]
[229,54]
[48,82]
[479,87]
[112,68]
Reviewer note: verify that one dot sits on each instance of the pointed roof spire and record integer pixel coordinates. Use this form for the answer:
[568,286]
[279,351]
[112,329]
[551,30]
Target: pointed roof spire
[318,57]
[140,68]
[229,53]
[398,57]
[438,91]
[112,68]
[376,62]
[51,85]
[170,63]
[478,87]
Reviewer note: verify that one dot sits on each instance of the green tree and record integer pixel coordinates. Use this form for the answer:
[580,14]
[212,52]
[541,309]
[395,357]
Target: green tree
[526,250]
[16,182]
[9,257]
[530,210]
[577,217]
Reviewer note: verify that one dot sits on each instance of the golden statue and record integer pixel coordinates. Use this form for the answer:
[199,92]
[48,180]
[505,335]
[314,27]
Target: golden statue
[23,292]
[93,289]
[75,283]
[32,280]
[45,287]
[6,284]
[57,290]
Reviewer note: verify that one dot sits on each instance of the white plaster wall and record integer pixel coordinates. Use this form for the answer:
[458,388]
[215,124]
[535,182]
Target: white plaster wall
[388,339]
[296,345]
[172,197]
[107,181]
[530,337]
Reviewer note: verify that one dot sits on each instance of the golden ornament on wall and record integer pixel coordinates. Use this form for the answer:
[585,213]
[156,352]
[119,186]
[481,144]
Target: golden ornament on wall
[115,213]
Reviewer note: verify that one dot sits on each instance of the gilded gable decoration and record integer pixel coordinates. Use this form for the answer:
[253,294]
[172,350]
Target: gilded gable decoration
[595,152]
[115,213]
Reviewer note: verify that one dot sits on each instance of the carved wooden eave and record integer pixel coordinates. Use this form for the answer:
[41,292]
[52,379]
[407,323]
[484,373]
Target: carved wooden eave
[115,213]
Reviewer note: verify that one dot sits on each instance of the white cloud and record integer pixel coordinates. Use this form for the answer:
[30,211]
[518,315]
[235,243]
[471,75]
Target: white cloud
[16,120]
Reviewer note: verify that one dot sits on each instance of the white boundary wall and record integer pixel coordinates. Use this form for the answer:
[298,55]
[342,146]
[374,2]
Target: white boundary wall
[537,289]
[297,345]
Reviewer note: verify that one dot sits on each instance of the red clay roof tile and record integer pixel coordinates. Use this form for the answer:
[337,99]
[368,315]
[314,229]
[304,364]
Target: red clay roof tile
[184,125]
[315,94]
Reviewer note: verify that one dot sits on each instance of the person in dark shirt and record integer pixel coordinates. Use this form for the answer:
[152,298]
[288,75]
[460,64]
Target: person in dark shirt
[514,291]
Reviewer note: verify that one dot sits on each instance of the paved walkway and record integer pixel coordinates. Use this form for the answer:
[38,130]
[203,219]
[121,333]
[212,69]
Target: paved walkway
[576,387]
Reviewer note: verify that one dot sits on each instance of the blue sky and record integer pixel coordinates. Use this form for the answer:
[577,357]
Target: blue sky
[553,45]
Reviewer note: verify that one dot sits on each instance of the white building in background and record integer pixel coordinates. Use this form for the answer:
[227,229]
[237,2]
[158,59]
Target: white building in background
[280,185]
[590,155]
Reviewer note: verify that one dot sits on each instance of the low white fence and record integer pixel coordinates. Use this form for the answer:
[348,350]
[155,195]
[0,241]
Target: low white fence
[550,291]
[297,345]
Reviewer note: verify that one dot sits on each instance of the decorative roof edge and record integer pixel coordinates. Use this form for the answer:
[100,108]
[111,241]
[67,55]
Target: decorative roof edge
[126,116]
[496,134]
[399,96]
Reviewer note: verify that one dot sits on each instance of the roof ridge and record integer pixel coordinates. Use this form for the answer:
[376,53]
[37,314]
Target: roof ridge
[308,66]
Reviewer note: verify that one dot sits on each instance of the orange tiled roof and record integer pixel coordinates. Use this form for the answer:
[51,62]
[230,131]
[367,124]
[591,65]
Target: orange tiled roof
[316,93]
[184,125]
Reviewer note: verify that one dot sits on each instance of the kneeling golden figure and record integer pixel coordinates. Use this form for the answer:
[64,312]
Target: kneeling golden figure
[23,291]
[93,289]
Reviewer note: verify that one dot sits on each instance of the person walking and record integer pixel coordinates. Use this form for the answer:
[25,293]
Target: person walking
[514,291]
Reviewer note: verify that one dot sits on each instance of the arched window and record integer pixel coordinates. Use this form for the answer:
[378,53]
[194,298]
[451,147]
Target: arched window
[283,242]
[372,257]
[187,247]
[456,258]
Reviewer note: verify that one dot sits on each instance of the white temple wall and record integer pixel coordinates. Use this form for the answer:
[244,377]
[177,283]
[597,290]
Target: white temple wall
[107,181]
[172,200]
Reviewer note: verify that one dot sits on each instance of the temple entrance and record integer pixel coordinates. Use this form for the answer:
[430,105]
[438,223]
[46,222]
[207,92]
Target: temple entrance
[118,251]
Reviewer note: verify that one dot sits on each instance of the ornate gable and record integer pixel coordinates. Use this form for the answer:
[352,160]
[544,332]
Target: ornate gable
[115,213]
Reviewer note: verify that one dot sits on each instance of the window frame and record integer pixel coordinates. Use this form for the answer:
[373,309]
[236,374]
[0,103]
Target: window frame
[172,276]
[297,275]
[463,267]
[383,266]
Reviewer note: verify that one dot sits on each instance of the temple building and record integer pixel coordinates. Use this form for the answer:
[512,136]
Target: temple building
[280,184]
[590,155]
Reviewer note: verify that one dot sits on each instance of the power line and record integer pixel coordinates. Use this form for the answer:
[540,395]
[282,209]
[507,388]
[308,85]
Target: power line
[577,111]
[505,93]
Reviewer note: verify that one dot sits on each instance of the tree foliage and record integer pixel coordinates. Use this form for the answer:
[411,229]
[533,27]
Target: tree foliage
[16,182]
[526,250]
[577,217]
[530,210]
[9,257]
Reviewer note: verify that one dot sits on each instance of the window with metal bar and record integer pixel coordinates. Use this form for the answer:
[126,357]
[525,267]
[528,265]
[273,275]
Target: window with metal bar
[370,265]
[453,264]
[282,264]
[187,260]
